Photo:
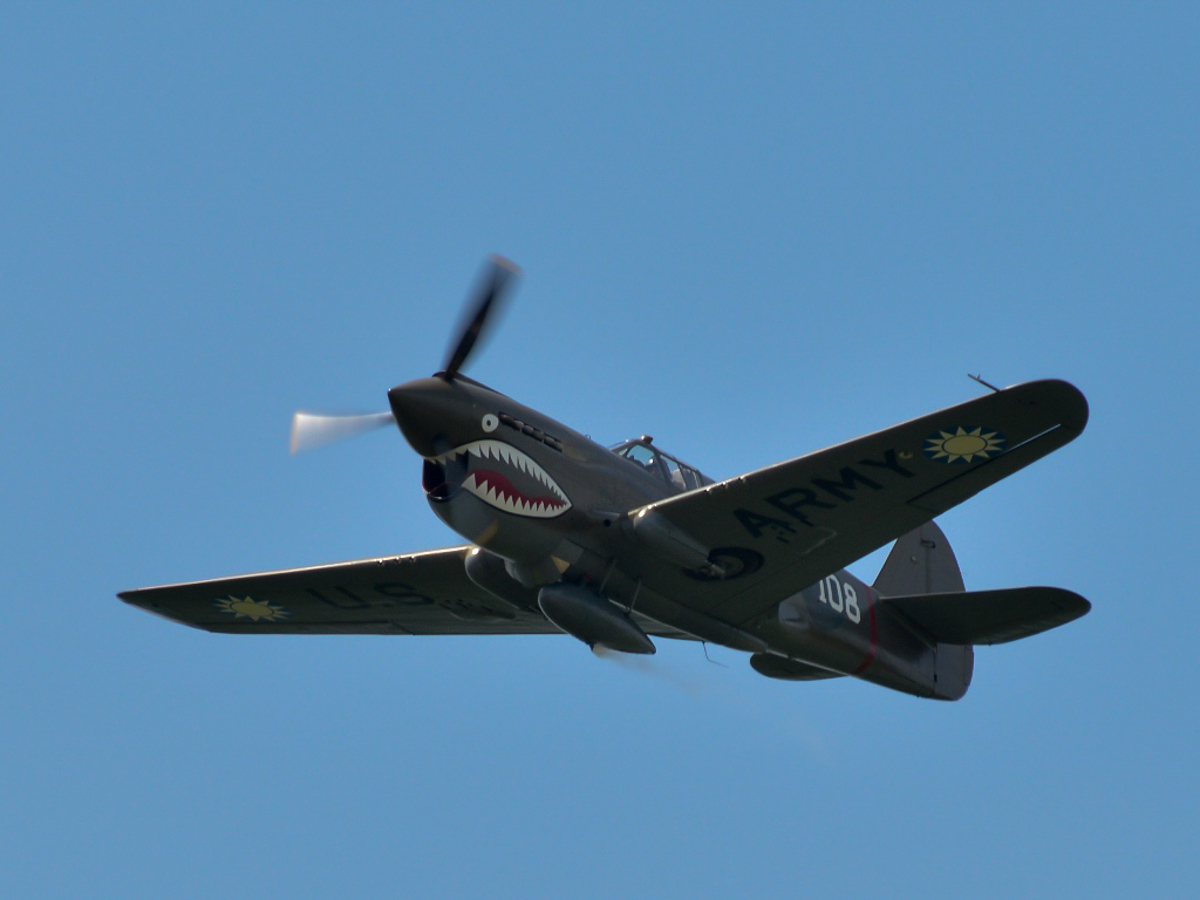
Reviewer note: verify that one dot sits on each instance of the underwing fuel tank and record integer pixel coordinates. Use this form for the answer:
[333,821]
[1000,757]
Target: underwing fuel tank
[592,619]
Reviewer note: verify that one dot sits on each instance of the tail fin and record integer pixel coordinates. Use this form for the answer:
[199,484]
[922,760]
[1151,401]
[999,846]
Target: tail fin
[921,562]
[921,579]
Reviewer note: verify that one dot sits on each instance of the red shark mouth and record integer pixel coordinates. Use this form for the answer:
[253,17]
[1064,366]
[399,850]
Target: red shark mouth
[496,489]
[499,475]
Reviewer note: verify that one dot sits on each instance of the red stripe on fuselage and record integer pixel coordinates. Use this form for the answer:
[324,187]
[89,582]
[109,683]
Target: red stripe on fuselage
[874,635]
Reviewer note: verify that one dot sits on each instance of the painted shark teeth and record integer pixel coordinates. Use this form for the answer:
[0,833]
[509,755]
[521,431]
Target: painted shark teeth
[493,484]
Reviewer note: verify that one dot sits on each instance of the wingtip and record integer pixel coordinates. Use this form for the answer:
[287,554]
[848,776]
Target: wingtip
[131,597]
[1074,405]
[1068,401]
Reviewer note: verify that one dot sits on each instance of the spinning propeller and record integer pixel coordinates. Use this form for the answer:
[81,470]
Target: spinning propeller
[480,314]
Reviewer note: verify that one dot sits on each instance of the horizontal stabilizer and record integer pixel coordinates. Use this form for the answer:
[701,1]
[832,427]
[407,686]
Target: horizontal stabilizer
[990,617]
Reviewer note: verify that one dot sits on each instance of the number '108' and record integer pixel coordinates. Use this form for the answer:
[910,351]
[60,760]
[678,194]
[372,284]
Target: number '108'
[841,598]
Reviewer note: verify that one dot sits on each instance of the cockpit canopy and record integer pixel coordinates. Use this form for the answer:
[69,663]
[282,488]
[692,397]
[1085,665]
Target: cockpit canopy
[662,466]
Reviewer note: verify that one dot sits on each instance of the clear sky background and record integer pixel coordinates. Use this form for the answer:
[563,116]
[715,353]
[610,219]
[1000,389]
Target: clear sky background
[749,230]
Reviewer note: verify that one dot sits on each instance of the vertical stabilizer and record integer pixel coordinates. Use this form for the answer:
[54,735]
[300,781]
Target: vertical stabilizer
[921,562]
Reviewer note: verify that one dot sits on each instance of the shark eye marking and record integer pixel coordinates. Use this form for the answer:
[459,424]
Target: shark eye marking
[501,476]
[490,423]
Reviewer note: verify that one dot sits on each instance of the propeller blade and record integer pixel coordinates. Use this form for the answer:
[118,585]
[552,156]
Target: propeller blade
[487,303]
[311,430]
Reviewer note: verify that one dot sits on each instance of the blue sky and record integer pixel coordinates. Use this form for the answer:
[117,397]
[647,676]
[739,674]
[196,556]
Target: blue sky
[749,231]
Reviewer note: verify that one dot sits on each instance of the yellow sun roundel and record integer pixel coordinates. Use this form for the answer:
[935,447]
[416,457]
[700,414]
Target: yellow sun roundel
[249,608]
[965,444]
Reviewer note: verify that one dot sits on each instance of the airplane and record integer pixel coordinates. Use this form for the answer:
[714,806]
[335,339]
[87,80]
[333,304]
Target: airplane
[619,546]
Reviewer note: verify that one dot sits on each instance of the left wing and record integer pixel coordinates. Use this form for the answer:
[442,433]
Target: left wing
[418,593]
[781,529]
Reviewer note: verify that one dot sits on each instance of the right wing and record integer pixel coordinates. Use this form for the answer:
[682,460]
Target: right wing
[416,593]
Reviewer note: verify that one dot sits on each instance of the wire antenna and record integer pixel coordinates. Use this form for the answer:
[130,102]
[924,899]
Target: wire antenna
[704,644]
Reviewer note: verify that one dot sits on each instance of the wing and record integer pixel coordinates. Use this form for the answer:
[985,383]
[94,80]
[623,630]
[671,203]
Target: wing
[419,593]
[780,529]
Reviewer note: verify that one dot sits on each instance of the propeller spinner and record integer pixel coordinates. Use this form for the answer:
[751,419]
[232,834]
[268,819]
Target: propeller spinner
[481,312]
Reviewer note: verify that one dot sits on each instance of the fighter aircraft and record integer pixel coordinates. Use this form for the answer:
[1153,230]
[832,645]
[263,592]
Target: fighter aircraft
[617,546]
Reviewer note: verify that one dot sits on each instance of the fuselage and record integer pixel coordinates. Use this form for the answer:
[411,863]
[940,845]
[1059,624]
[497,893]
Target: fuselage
[547,505]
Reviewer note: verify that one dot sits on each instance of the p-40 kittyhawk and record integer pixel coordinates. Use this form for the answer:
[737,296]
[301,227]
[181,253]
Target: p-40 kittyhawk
[618,546]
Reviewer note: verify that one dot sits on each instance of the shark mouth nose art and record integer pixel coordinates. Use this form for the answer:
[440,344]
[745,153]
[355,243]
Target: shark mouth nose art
[499,475]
